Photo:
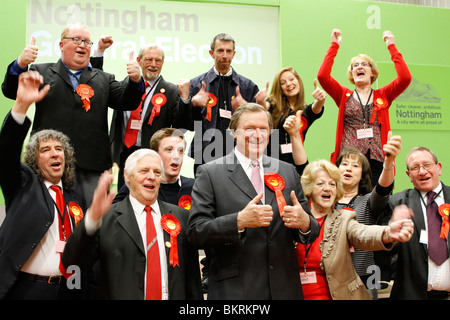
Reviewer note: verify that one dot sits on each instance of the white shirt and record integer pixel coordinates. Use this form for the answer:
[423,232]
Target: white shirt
[45,260]
[438,276]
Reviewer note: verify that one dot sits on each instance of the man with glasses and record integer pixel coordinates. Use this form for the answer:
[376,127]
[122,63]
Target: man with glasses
[423,266]
[78,100]
[164,105]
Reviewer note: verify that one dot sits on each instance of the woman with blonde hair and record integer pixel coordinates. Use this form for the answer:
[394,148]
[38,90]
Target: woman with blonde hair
[326,268]
[363,118]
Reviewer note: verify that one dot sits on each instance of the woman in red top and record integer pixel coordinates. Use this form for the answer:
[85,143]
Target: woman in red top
[363,119]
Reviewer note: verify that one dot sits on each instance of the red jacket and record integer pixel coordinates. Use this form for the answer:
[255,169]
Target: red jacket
[382,98]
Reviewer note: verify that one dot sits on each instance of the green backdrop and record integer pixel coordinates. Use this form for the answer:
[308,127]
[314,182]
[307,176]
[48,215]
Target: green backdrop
[297,33]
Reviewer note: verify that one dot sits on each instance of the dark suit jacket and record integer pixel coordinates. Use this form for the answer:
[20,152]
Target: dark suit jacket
[259,263]
[120,251]
[29,207]
[62,109]
[411,276]
[175,113]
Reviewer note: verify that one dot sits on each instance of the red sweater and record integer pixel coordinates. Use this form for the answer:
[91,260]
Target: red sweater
[382,98]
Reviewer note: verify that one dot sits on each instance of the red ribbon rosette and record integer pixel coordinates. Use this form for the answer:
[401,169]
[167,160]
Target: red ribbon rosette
[444,211]
[76,212]
[211,103]
[158,100]
[303,126]
[172,226]
[85,92]
[185,202]
[378,105]
[276,183]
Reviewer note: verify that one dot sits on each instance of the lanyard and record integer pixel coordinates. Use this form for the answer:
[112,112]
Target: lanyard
[62,217]
[147,94]
[362,106]
[434,198]
[224,90]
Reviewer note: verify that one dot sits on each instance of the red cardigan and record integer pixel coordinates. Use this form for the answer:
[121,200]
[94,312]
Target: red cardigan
[382,98]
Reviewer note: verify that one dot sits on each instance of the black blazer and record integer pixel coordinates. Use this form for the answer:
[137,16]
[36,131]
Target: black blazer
[62,109]
[411,276]
[29,206]
[120,251]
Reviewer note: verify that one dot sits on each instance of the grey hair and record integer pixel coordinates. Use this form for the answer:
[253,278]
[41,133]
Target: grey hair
[32,149]
[150,46]
[222,37]
[137,155]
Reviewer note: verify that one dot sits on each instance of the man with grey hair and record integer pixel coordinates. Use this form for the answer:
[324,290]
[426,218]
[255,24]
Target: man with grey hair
[163,105]
[252,233]
[139,242]
[41,208]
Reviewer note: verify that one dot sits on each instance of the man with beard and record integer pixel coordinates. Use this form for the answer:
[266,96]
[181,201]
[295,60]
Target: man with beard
[163,105]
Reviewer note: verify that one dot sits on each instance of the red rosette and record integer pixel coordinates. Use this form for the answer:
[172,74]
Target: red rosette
[185,202]
[444,211]
[85,92]
[211,103]
[303,126]
[172,226]
[276,183]
[378,105]
[158,100]
[76,212]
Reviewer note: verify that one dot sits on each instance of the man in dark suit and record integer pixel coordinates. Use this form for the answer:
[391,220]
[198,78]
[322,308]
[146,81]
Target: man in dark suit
[164,105]
[32,236]
[419,274]
[254,254]
[118,237]
[78,100]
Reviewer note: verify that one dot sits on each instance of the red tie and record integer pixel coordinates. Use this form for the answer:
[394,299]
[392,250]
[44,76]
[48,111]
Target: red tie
[131,134]
[153,287]
[64,231]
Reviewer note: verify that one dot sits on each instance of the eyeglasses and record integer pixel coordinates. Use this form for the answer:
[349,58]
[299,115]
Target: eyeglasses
[150,60]
[78,41]
[362,64]
[427,166]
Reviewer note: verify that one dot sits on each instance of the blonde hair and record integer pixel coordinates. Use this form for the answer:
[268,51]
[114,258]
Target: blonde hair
[279,101]
[310,173]
[368,59]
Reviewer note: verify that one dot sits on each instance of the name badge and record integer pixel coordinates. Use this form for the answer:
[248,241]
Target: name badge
[225,113]
[423,236]
[60,246]
[364,133]
[308,277]
[136,124]
[286,148]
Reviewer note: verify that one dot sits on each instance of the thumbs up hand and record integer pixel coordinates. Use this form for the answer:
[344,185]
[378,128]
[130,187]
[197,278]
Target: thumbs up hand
[294,215]
[318,93]
[238,100]
[133,69]
[29,54]
[255,215]
[202,97]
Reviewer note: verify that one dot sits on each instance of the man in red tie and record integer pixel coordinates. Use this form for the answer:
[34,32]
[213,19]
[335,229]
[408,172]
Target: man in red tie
[163,105]
[140,242]
[40,204]
[423,265]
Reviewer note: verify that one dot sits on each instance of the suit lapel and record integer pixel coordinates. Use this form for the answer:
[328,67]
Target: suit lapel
[127,220]
[268,193]
[159,85]
[238,176]
[61,71]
